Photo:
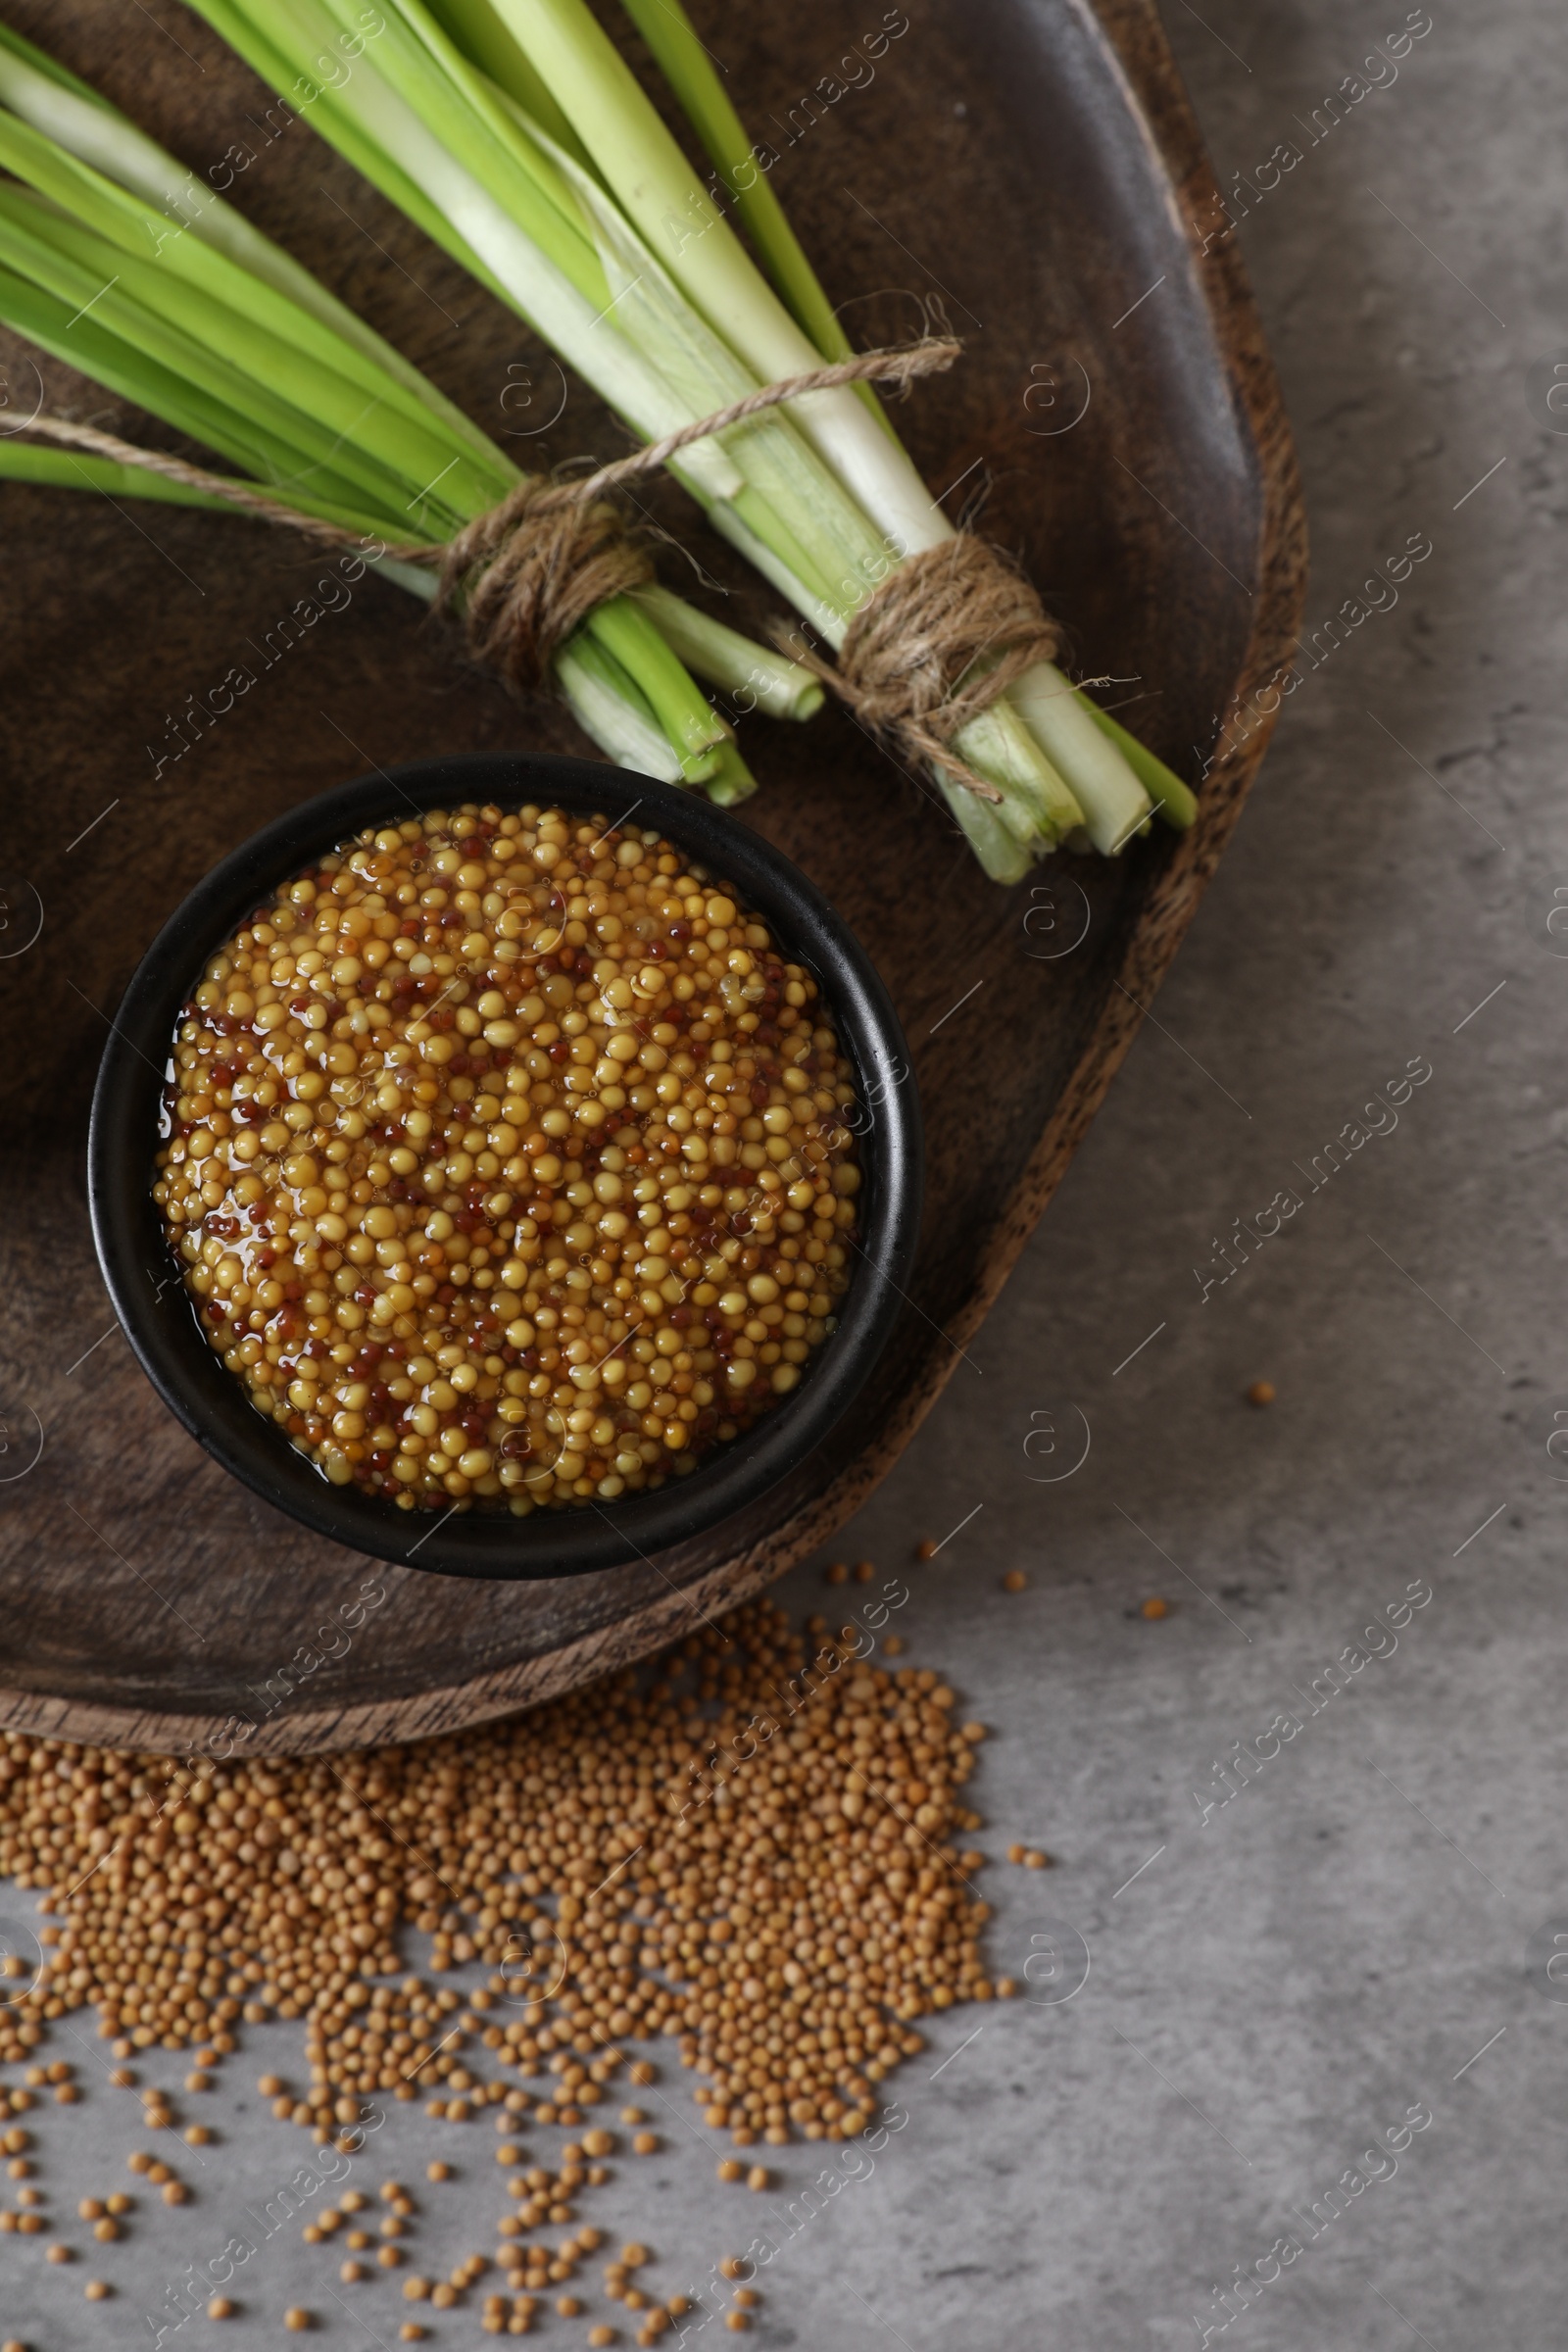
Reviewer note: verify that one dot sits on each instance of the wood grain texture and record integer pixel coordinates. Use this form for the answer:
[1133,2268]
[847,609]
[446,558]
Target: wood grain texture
[145,1598]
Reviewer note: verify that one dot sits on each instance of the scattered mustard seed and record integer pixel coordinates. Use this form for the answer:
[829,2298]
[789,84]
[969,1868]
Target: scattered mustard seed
[659,1947]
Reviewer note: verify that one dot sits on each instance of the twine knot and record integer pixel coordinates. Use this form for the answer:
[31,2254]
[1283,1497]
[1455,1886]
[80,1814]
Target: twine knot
[941,640]
[528,573]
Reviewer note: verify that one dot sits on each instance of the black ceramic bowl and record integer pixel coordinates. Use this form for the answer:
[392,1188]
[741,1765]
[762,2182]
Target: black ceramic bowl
[142,1271]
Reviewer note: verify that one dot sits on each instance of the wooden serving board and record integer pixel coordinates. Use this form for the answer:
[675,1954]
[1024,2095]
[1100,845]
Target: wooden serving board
[1029,171]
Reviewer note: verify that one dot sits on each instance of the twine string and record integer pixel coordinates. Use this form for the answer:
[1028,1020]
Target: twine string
[939,640]
[899,367]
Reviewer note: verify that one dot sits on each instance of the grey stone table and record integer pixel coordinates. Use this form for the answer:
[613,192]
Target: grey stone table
[1300,1939]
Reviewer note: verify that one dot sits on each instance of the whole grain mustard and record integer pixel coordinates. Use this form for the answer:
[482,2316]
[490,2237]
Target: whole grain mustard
[508,1160]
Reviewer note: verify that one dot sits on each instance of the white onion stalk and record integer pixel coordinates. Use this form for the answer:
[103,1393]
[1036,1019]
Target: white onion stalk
[1116,805]
[726,658]
[661,195]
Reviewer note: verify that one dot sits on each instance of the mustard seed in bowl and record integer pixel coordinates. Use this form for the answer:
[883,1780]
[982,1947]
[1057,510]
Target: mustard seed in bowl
[506,1160]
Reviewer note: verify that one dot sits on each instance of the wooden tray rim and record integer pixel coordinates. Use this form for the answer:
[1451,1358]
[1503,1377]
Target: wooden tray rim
[1157,101]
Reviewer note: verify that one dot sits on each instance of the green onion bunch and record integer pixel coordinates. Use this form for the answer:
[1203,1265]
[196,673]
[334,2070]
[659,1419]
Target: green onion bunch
[514,133]
[117,260]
